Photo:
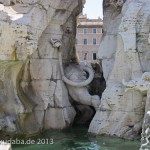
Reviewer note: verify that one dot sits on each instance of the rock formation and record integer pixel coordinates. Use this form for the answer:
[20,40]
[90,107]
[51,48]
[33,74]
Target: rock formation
[33,95]
[5,146]
[126,68]
[37,45]
[37,41]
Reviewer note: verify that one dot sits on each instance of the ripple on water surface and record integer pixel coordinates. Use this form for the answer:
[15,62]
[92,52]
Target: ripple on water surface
[77,139]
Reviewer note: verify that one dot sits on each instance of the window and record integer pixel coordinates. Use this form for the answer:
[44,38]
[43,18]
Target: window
[94,41]
[85,41]
[94,30]
[85,30]
[85,56]
[94,56]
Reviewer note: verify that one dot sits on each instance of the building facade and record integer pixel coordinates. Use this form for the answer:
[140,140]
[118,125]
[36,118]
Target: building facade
[88,37]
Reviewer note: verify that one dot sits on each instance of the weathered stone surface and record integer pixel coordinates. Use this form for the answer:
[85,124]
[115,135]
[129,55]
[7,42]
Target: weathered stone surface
[61,95]
[80,94]
[32,93]
[125,58]
[39,72]
[59,118]
[10,101]
[32,122]
[5,146]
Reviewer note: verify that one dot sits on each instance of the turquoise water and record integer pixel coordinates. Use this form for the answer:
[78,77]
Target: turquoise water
[78,139]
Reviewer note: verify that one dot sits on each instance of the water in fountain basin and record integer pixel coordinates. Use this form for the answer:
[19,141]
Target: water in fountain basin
[76,138]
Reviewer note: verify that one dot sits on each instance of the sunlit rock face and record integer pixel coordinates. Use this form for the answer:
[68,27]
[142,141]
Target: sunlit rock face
[126,69]
[33,96]
[5,146]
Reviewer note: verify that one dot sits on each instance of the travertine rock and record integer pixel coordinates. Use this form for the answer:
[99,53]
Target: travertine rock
[59,118]
[125,58]
[75,78]
[5,146]
[80,94]
[32,94]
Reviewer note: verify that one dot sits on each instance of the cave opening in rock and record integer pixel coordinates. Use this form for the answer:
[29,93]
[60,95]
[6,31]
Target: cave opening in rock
[87,51]
[98,84]
[86,113]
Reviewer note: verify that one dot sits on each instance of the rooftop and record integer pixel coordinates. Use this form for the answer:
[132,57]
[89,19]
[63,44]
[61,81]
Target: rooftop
[83,21]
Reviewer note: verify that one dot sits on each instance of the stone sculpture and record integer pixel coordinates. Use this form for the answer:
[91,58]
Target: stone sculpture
[80,94]
[126,57]
[75,78]
[33,95]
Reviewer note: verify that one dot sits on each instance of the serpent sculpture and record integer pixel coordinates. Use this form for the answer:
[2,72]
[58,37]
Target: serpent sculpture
[76,81]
